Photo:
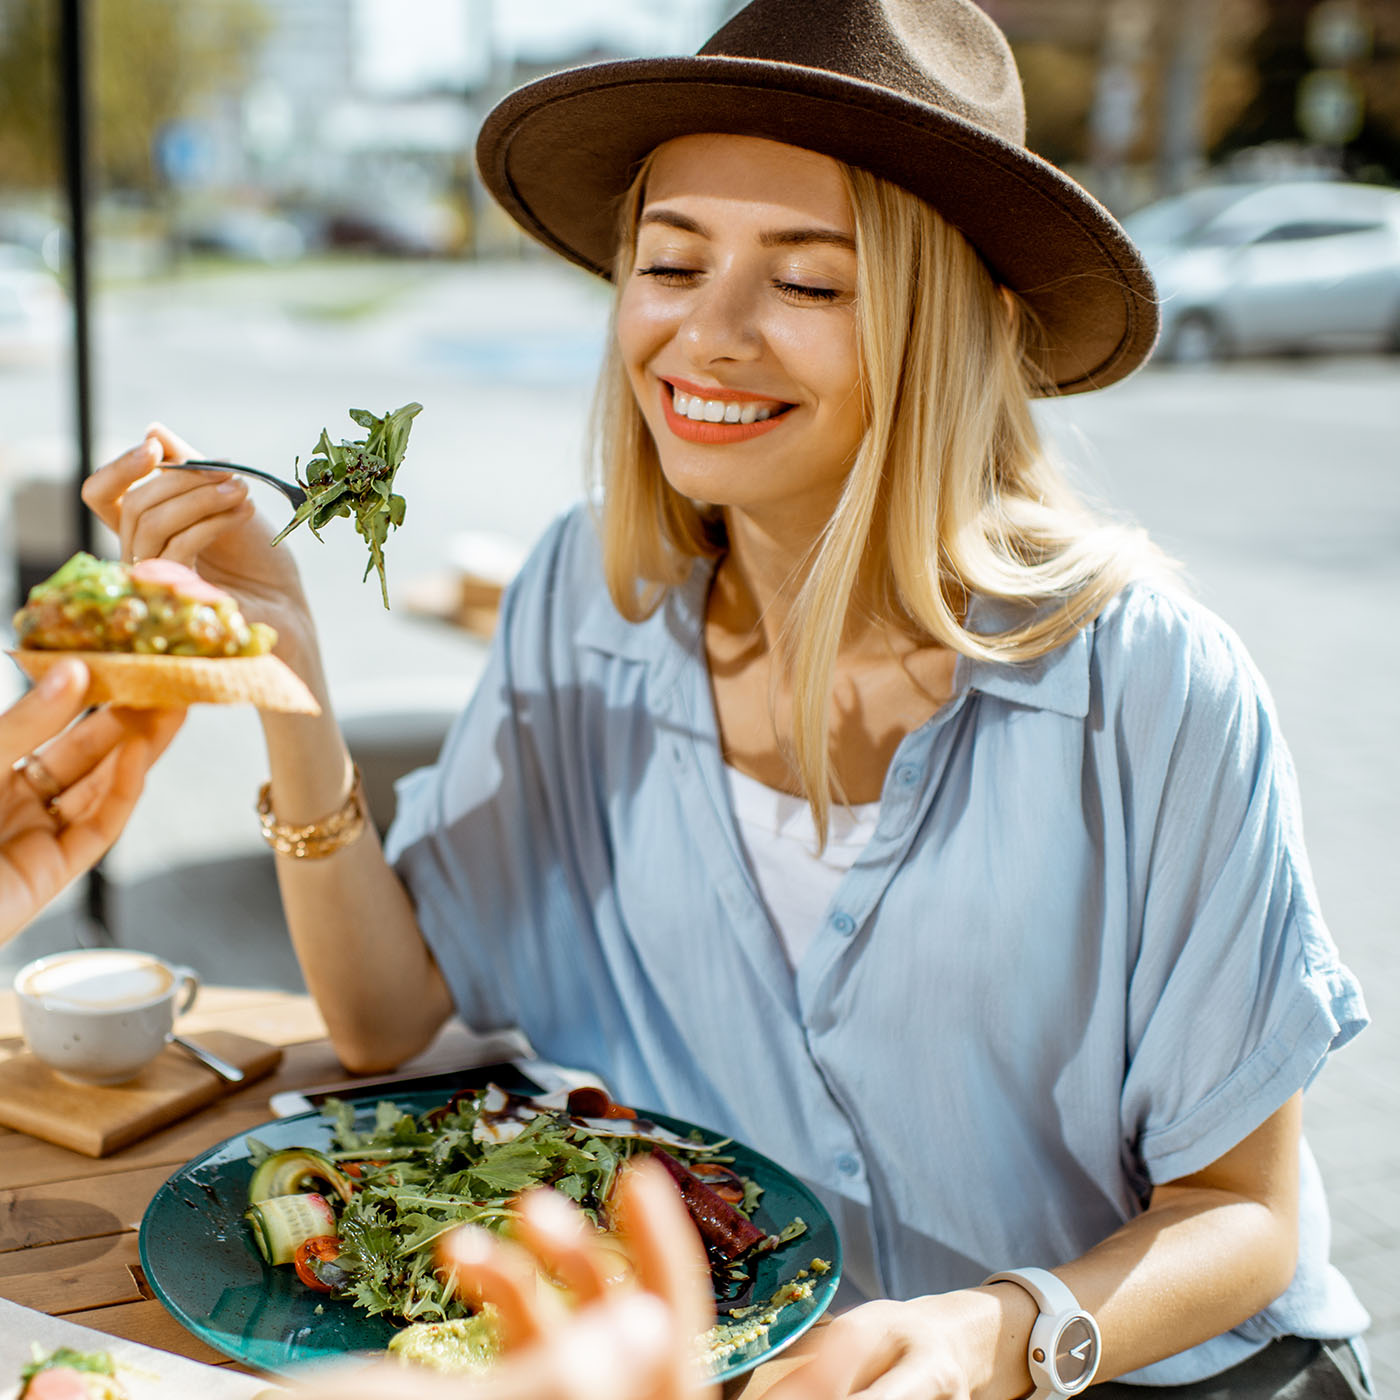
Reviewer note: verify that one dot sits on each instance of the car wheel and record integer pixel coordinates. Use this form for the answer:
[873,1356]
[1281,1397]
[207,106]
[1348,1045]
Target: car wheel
[1197,340]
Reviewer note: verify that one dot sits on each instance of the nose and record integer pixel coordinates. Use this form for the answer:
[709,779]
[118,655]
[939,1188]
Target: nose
[721,322]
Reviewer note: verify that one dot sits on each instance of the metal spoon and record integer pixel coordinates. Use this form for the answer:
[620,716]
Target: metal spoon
[230,1074]
[289,489]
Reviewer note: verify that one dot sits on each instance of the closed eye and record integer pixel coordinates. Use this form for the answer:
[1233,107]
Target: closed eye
[668,276]
[799,292]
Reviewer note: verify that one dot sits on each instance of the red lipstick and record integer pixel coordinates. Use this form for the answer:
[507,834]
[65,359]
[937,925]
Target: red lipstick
[689,430]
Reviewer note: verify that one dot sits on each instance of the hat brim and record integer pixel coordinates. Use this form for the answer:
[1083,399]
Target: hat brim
[558,153]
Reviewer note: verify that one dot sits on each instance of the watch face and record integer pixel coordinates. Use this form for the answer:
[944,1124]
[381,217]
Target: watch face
[1076,1353]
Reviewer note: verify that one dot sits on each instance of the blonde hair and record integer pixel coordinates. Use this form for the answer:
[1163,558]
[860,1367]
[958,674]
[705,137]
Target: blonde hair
[950,494]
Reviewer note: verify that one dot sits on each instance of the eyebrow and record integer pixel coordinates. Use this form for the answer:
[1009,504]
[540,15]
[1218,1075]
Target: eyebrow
[770,238]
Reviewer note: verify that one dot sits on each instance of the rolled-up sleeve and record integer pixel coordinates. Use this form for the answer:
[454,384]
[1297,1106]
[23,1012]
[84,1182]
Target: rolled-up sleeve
[1236,995]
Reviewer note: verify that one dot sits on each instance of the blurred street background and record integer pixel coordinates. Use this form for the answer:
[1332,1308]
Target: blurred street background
[286,224]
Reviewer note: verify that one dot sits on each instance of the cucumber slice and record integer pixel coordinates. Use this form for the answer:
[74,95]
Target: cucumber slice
[282,1224]
[295,1170]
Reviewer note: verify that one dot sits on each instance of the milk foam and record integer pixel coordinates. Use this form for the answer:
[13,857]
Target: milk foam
[100,980]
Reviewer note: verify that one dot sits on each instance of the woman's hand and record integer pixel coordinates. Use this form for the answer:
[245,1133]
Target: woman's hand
[622,1340]
[942,1347]
[66,803]
[207,521]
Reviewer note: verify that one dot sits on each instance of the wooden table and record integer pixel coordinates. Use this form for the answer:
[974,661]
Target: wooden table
[68,1223]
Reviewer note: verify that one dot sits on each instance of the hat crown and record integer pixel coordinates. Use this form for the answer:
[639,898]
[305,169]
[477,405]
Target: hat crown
[946,53]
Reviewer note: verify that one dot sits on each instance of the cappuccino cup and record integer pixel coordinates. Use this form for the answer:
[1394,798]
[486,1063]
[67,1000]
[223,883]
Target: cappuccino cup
[101,1015]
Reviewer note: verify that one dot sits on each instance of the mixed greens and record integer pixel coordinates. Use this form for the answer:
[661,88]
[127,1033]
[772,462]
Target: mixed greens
[357,478]
[361,1220]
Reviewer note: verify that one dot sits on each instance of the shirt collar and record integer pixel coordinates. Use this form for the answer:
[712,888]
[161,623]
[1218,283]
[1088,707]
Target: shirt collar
[1057,681]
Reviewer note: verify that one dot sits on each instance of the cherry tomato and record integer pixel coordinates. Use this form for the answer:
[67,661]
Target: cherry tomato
[313,1257]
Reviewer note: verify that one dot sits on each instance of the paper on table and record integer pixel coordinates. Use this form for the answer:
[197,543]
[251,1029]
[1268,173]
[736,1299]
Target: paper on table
[147,1374]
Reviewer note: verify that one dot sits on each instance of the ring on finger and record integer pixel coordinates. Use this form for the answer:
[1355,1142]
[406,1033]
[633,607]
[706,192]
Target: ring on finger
[55,814]
[35,772]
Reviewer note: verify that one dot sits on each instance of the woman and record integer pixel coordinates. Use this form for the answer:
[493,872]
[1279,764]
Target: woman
[1049,990]
[62,807]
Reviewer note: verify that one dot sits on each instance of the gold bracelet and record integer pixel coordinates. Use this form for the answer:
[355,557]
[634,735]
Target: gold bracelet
[315,839]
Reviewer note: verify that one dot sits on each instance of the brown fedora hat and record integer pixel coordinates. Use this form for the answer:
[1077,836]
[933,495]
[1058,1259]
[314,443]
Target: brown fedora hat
[924,93]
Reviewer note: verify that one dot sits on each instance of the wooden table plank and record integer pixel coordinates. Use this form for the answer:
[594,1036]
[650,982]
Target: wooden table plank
[54,1213]
[60,1291]
[69,1255]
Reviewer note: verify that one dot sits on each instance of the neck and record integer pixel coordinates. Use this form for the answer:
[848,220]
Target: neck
[758,581]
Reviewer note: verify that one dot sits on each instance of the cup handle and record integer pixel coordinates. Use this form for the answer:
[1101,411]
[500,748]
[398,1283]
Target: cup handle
[190,978]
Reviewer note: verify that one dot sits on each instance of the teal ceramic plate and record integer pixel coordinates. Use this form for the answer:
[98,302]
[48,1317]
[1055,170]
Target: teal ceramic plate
[201,1261]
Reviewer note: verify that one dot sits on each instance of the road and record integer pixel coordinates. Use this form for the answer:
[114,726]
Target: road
[1277,486]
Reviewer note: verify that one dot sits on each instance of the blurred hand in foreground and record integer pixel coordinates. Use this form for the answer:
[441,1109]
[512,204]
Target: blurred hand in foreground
[62,805]
[628,1339]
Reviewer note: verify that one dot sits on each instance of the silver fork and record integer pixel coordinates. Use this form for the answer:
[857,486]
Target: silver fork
[289,489]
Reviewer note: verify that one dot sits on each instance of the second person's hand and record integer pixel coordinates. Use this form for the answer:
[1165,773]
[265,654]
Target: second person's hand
[623,1340]
[207,521]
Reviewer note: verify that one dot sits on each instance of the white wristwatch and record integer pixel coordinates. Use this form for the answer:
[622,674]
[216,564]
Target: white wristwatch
[1064,1349]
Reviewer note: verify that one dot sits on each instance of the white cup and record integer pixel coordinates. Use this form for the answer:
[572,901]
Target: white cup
[101,1015]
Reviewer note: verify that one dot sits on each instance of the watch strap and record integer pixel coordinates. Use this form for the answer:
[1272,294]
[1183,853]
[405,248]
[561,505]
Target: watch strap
[1051,1292]
[1061,1320]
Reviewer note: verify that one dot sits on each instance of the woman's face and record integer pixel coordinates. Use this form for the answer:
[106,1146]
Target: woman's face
[737,325]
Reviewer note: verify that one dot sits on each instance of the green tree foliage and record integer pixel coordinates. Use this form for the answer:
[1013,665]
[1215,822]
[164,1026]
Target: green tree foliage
[151,61]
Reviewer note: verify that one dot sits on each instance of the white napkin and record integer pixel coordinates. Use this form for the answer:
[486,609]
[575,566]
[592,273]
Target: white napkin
[146,1373]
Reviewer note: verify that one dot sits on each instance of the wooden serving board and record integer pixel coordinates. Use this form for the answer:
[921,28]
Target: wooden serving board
[96,1121]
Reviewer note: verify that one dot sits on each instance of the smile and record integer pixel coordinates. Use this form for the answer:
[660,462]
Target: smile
[725,416]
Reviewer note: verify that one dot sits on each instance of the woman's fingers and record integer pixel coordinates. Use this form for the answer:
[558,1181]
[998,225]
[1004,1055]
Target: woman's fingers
[157,512]
[487,1269]
[118,753]
[671,1265]
[101,814]
[562,1240]
[175,447]
[665,1246]
[611,1352]
[103,490]
[44,711]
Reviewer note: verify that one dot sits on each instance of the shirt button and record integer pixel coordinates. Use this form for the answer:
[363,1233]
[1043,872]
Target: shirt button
[843,923]
[907,774]
[678,753]
[848,1164]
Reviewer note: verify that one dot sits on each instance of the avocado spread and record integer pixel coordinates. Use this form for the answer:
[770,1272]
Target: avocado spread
[464,1344]
[155,607]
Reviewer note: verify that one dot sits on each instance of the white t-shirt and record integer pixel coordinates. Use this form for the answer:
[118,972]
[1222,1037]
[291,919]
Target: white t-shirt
[780,840]
[797,885]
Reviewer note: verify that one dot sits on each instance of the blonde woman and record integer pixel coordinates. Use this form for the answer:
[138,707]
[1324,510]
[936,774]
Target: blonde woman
[845,785]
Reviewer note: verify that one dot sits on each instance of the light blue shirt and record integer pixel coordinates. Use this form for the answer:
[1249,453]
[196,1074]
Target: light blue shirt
[1081,954]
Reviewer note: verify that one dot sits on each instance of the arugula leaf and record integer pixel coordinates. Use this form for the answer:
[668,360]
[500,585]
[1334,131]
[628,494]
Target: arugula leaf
[355,478]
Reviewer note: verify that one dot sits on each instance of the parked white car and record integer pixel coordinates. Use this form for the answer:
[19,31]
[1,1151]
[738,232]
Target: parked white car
[1300,265]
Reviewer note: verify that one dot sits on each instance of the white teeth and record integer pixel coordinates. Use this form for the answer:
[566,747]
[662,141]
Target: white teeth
[700,410]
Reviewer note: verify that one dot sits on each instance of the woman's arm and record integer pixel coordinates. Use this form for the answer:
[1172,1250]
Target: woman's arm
[1211,1250]
[351,920]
